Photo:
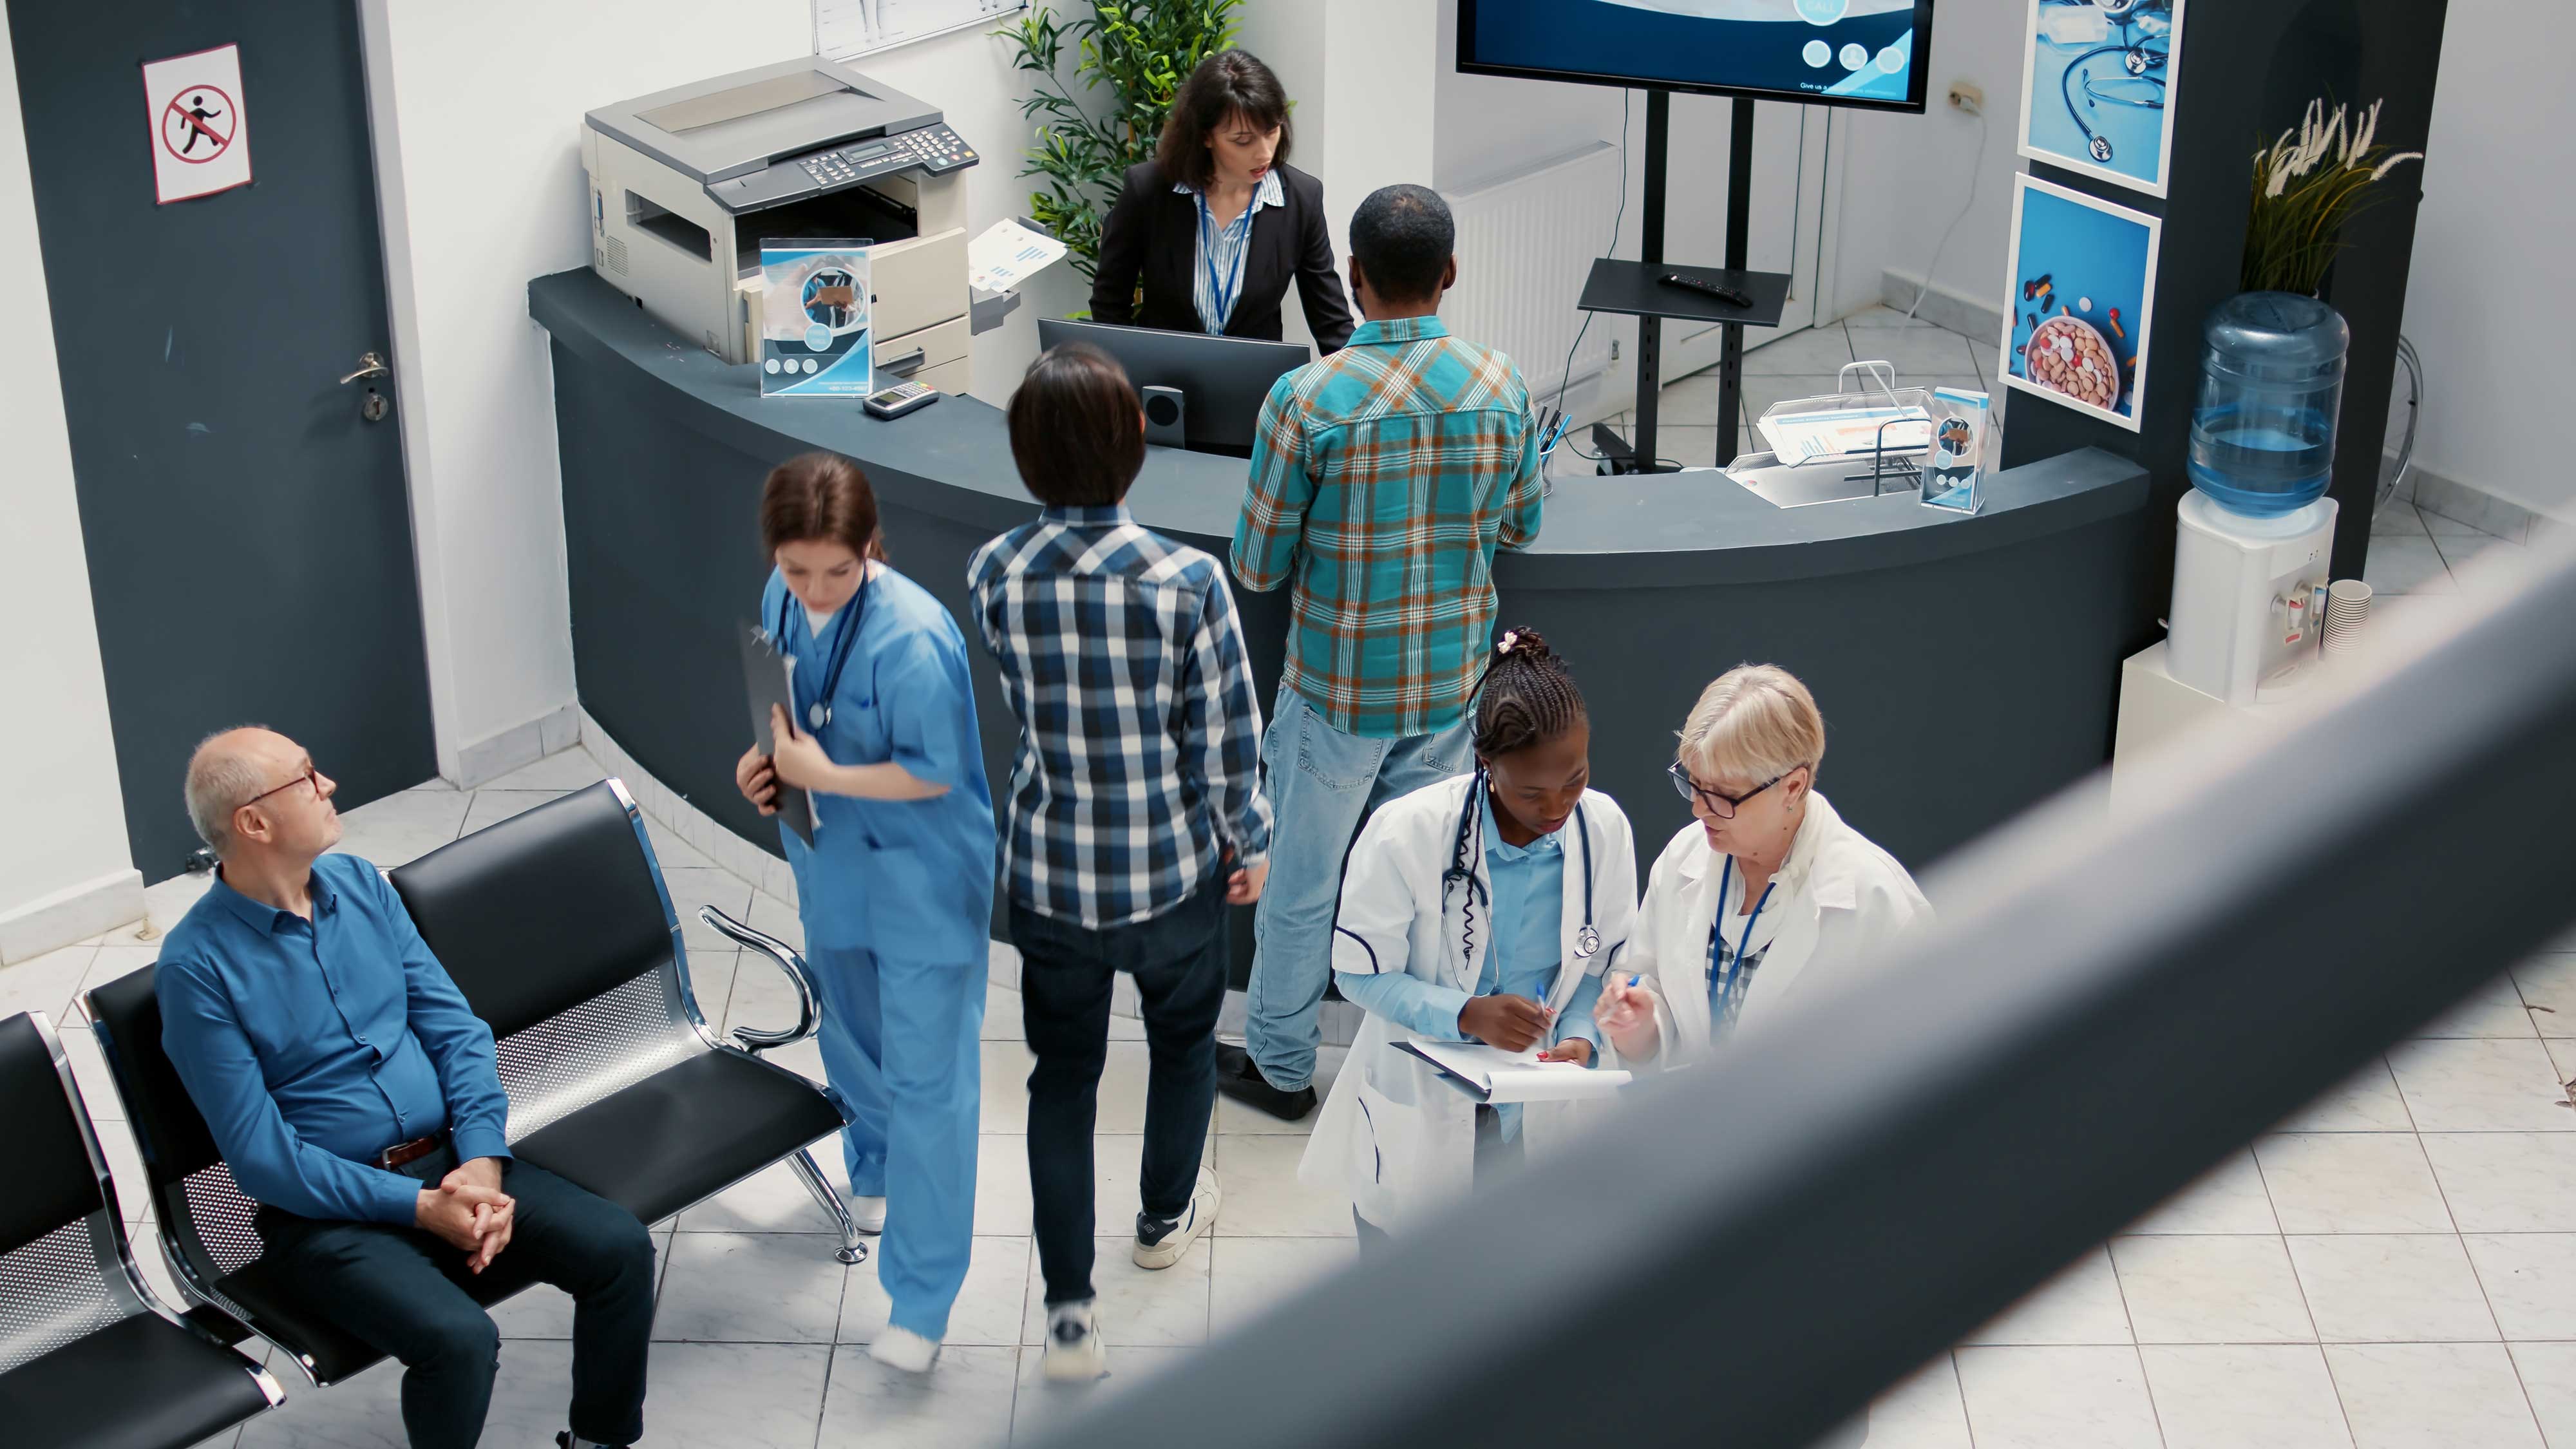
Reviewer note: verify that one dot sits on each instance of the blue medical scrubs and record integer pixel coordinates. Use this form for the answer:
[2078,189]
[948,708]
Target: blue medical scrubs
[897,899]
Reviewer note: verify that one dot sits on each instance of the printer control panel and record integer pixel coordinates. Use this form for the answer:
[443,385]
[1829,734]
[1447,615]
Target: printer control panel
[937,149]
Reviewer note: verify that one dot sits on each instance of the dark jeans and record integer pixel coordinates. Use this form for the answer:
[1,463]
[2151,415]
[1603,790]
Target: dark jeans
[1178,960]
[399,1290]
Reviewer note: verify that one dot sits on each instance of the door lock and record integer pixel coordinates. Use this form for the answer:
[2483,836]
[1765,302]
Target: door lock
[374,408]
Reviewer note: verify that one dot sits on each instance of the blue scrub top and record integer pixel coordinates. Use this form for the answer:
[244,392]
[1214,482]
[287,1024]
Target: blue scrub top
[905,878]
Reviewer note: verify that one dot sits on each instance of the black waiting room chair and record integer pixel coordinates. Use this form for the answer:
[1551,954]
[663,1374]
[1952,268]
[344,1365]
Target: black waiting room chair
[556,926]
[90,1358]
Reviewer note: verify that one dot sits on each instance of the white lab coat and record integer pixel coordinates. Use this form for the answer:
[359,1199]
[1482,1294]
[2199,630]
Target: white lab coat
[1843,903]
[1393,1134]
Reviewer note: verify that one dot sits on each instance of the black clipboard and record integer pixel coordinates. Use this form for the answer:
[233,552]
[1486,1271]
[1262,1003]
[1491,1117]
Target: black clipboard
[1482,1095]
[764,680]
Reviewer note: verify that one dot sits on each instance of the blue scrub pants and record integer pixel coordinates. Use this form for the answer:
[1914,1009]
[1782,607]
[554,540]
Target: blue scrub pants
[900,1043]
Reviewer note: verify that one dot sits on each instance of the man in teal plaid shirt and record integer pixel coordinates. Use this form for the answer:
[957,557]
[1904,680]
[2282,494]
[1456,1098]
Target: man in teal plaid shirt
[1383,479]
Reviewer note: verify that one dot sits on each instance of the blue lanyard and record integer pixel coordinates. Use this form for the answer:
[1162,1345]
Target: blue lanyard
[1721,989]
[837,656]
[1222,289]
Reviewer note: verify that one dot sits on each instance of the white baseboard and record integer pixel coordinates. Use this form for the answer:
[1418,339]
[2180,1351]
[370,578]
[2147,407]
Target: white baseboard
[490,758]
[74,913]
[1942,306]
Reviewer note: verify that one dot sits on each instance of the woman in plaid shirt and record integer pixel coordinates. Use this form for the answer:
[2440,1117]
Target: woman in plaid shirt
[1136,815]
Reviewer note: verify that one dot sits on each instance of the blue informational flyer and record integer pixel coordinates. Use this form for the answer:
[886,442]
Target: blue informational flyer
[815,337]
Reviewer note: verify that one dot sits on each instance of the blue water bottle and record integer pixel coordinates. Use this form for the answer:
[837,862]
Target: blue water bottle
[2271,387]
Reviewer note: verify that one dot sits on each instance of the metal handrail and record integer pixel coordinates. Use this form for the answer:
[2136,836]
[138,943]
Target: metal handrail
[1752,1250]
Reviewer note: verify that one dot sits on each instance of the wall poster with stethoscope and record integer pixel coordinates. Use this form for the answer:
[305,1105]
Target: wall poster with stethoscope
[2097,88]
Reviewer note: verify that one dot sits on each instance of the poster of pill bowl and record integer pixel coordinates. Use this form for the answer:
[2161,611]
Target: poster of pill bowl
[2078,296]
[2097,92]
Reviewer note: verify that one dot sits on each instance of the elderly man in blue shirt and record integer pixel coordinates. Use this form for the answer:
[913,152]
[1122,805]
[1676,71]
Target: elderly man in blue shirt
[354,1095]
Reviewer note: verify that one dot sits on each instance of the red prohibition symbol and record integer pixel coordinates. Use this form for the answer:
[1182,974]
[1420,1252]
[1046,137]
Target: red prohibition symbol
[199,116]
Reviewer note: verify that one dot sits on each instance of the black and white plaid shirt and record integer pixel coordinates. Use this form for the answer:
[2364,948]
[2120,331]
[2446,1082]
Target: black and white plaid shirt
[1139,768]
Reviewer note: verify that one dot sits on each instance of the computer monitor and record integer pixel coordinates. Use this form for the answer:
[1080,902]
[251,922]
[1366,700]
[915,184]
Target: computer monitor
[1868,53]
[1222,380]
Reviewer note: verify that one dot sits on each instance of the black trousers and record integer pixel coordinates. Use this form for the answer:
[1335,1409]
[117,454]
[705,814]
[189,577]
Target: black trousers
[1066,970]
[400,1291]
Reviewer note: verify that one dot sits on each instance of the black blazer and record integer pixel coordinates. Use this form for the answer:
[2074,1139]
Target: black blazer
[1153,234]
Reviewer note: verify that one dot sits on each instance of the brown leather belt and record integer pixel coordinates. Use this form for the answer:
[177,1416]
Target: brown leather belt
[402,1153]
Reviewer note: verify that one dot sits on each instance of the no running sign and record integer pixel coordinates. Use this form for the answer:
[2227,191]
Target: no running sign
[200,138]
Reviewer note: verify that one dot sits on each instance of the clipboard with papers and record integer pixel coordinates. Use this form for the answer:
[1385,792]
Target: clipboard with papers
[765,683]
[1491,1075]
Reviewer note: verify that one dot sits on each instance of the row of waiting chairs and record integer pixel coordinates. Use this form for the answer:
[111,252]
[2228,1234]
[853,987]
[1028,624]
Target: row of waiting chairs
[557,928]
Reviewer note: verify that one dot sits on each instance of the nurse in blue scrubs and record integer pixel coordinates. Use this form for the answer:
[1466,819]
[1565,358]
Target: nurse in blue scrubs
[897,890]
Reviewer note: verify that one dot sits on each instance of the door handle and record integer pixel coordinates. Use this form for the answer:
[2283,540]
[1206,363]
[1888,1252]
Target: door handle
[369,365]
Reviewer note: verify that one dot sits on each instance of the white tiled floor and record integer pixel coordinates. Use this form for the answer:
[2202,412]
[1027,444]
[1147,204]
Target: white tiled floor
[2394,1265]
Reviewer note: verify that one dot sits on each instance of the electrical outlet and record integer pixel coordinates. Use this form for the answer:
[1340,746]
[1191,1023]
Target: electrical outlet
[1967,98]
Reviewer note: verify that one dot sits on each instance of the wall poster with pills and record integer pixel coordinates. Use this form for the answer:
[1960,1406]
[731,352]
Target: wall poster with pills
[2077,299]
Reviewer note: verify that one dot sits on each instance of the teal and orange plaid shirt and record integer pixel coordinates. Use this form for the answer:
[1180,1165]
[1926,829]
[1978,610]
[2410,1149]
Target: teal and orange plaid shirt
[1383,478]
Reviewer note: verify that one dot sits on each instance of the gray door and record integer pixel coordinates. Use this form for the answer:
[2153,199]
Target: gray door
[249,541]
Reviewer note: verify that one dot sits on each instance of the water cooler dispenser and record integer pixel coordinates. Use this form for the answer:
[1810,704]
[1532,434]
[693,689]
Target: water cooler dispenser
[2256,530]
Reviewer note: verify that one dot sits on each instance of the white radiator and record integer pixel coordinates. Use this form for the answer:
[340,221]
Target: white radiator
[1525,245]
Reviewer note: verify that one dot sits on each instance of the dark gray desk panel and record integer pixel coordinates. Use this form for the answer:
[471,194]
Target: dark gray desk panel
[1966,667]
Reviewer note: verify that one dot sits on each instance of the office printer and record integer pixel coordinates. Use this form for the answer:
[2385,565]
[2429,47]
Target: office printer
[686,183]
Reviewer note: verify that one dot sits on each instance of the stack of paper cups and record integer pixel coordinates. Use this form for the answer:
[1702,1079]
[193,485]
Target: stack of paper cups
[2347,609]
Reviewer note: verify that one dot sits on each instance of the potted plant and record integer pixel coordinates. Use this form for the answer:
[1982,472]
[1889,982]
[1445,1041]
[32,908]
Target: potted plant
[2307,184]
[1140,51]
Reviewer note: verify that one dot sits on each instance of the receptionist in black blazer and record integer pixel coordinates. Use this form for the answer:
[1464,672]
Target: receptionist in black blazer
[1207,235]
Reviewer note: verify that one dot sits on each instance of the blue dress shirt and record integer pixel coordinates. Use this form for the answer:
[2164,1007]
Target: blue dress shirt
[312,1046]
[1526,917]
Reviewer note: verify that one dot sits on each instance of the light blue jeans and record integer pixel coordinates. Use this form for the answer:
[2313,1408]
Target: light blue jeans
[1323,784]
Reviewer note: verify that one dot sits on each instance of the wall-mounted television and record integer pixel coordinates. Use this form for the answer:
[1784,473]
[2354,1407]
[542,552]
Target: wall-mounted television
[1817,52]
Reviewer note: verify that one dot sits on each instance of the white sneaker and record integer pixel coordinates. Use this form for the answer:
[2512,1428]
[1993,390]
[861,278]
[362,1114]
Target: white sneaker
[1160,1244]
[867,1213]
[1073,1350]
[901,1348]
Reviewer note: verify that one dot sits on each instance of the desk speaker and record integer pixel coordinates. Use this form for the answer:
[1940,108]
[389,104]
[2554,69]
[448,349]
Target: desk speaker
[1165,413]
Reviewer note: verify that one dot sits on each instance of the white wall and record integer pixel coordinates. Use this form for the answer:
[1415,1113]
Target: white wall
[1899,179]
[62,825]
[478,106]
[2486,298]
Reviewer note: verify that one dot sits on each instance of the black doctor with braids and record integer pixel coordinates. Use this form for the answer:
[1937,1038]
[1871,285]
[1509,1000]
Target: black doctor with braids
[1533,742]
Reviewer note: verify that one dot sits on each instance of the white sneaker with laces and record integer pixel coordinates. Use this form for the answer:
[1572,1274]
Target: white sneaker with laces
[868,1213]
[1073,1350]
[901,1348]
[1160,1244]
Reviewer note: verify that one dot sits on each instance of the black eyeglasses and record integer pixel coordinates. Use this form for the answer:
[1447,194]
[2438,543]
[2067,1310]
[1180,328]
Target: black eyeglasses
[1719,803]
[311,773]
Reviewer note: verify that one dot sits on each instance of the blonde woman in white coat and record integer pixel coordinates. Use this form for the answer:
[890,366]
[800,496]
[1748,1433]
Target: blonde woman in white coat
[1765,894]
[1482,907]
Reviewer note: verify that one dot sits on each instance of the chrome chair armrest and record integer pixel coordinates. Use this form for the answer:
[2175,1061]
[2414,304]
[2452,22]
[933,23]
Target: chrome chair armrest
[809,1008]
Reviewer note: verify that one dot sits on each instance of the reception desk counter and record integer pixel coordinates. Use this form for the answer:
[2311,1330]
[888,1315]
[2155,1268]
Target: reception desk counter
[1966,667]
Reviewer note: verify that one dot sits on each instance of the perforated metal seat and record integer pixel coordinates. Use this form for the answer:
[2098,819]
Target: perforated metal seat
[89,1355]
[556,926]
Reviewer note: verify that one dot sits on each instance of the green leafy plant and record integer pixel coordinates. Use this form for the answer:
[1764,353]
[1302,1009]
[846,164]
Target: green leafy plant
[1140,51]
[2307,184]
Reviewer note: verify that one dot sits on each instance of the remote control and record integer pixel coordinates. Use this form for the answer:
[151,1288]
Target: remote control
[1719,290]
[903,397]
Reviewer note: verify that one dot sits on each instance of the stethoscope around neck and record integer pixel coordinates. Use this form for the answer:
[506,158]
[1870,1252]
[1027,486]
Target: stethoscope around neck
[1587,938]
[837,657]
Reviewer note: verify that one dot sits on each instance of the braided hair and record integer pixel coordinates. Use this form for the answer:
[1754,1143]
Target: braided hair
[1526,697]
